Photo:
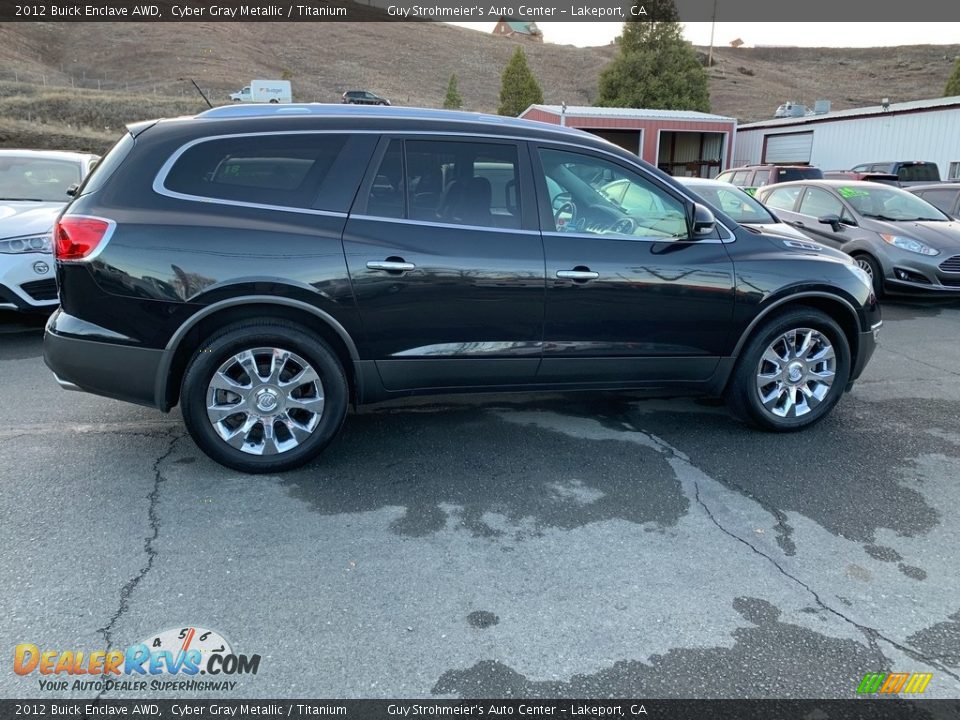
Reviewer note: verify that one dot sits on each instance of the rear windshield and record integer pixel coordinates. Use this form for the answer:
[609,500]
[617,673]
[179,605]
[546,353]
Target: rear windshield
[106,167]
[799,173]
[919,172]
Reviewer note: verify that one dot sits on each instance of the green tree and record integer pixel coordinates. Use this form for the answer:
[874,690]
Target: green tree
[953,84]
[518,87]
[655,68]
[453,101]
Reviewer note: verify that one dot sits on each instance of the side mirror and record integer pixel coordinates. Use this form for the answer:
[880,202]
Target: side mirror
[704,224]
[72,190]
[832,220]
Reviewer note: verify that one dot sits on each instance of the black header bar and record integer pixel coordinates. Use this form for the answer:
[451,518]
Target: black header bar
[472,10]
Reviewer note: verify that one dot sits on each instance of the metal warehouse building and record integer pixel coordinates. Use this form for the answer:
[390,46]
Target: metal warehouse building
[677,141]
[921,130]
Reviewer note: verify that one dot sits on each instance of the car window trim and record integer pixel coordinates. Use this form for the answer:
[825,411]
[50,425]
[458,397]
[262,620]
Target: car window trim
[164,170]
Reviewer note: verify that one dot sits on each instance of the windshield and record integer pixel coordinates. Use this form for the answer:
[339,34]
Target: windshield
[37,179]
[734,202]
[891,204]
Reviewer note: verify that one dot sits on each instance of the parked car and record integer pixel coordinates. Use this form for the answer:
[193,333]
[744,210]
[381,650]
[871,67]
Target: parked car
[33,191]
[367,257]
[363,97]
[742,207]
[943,196]
[751,177]
[907,171]
[904,243]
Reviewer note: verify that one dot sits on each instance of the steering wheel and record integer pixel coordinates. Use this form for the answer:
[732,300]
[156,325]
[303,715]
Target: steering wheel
[566,207]
[623,226]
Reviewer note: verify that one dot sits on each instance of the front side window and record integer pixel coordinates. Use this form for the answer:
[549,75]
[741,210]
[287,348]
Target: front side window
[449,182]
[283,170]
[591,195]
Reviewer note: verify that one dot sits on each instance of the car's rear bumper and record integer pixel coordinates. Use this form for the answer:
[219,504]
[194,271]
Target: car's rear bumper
[123,372]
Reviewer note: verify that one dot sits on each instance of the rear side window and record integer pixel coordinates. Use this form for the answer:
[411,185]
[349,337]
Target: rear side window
[106,167]
[807,173]
[782,198]
[740,178]
[284,170]
[941,199]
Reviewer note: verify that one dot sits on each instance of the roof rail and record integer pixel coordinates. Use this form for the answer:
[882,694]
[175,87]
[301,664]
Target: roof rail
[251,110]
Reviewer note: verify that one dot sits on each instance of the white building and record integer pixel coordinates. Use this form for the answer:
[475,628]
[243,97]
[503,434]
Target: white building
[921,130]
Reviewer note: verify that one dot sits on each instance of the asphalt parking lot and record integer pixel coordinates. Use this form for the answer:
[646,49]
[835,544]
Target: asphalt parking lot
[558,546]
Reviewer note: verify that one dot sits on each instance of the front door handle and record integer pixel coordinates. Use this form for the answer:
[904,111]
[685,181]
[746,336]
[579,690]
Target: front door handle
[398,265]
[799,223]
[578,274]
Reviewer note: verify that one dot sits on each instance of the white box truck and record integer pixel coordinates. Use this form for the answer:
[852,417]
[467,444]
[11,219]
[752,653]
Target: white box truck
[265,91]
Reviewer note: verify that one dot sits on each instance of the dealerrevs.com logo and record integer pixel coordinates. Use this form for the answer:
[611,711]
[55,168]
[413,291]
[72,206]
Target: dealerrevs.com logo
[182,653]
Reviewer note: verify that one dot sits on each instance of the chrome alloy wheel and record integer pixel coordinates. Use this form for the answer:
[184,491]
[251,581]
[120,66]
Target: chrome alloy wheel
[265,401]
[796,373]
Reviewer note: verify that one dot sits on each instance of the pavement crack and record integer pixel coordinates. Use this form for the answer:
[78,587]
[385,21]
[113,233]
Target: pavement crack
[871,634]
[153,518]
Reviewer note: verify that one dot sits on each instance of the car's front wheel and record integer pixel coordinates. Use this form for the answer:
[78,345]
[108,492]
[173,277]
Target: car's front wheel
[872,268]
[264,396]
[791,372]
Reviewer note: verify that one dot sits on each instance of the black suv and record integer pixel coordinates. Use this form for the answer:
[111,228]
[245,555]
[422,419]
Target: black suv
[265,267]
[363,97]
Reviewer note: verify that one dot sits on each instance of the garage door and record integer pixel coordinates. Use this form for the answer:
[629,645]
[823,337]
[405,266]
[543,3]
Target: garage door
[788,148]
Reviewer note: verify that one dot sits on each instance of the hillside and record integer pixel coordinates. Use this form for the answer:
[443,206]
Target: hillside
[84,80]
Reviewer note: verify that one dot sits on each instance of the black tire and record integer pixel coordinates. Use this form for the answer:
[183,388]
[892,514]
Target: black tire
[870,264]
[248,335]
[743,395]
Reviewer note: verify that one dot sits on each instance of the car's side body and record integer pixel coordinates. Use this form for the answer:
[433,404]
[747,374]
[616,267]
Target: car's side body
[412,301]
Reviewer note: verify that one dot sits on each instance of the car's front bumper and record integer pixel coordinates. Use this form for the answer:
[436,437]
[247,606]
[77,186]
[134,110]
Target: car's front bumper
[27,282]
[99,366]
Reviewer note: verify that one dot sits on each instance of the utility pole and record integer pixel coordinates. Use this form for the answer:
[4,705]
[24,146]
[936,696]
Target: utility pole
[713,23]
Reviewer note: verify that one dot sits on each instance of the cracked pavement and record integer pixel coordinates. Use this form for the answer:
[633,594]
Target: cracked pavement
[587,545]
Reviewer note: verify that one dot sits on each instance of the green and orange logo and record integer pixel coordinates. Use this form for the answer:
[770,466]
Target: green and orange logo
[894,683]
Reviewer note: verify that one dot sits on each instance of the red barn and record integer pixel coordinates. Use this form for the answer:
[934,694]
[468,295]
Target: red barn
[679,142]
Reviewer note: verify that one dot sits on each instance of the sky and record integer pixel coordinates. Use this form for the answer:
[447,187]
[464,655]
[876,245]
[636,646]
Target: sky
[803,34]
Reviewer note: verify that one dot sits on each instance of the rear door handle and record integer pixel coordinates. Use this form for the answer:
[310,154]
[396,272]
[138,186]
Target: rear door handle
[391,265]
[578,275]
[798,223]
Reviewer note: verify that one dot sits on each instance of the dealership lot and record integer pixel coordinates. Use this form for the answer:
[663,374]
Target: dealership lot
[562,545]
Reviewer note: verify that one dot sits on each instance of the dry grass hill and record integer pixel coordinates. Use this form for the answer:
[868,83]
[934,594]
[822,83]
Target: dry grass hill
[75,85]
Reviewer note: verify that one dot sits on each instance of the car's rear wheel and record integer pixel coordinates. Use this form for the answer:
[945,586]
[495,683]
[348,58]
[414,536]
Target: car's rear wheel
[791,372]
[872,268]
[264,396]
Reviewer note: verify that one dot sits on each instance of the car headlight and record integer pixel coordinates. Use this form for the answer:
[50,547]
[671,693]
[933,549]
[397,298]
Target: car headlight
[908,244]
[860,274]
[42,243]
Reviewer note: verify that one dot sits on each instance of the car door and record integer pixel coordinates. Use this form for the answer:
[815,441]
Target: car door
[630,298]
[818,202]
[448,279]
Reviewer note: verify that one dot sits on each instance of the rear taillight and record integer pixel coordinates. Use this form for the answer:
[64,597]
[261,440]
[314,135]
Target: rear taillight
[76,237]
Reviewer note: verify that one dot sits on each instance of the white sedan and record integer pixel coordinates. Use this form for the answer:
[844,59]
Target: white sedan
[33,191]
